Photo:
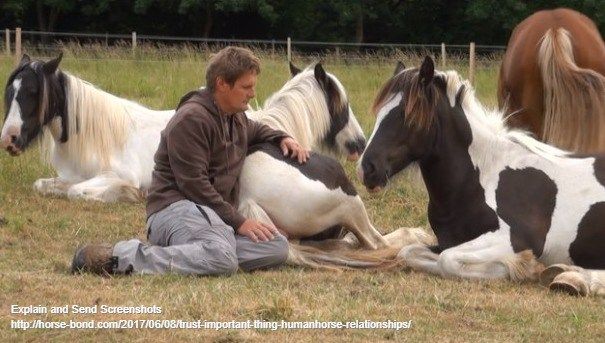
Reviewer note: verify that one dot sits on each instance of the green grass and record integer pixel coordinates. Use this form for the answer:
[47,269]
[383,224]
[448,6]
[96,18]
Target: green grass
[39,234]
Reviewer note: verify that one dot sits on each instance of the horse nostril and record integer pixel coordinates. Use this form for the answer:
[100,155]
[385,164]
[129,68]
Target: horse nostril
[14,139]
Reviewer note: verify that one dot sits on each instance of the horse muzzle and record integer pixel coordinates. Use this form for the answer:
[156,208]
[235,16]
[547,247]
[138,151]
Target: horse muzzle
[353,157]
[7,142]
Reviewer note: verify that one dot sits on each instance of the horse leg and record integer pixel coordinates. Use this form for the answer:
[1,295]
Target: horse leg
[399,238]
[52,186]
[574,280]
[482,258]
[405,236]
[355,219]
[106,187]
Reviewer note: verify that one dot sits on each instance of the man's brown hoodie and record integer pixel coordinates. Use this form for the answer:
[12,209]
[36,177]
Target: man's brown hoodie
[201,154]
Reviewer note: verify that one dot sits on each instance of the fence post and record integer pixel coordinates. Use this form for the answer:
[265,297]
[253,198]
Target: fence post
[273,49]
[471,67]
[337,54]
[443,56]
[289,50]
[134,42]
[7,40]
[17,45]
[106,39]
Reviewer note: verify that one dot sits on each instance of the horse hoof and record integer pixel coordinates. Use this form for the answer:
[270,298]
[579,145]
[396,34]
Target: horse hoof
[550,273]
[572,283]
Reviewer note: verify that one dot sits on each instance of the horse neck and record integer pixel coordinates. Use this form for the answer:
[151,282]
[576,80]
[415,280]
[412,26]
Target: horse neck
[300,111]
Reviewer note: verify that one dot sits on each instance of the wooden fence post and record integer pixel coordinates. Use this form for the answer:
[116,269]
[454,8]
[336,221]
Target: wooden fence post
[443,56]
[7,40]
[17,45]
[134,42]
[471,67]
[289,50]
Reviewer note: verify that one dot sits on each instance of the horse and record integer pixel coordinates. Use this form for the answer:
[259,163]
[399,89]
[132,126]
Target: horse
[501,203]
[100,145]
[552,80]
[106,142]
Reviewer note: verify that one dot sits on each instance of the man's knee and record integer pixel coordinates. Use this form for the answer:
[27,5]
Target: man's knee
[272,254]
[281,250]
[222,259]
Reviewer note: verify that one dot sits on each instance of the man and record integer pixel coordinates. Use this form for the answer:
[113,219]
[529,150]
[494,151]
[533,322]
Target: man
[192,222]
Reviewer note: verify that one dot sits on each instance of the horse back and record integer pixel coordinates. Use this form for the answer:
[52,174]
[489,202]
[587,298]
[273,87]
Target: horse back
[318,167]
[520,85]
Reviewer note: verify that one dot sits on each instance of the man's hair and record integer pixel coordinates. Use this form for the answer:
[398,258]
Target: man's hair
[229,64]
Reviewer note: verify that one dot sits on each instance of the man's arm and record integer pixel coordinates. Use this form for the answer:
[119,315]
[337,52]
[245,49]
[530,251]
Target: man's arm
[258,133]
[189,153]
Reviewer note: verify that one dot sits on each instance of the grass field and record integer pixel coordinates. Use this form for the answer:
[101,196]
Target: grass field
[38,236]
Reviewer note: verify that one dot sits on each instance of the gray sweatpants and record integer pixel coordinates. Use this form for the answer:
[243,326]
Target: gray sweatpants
[192,239]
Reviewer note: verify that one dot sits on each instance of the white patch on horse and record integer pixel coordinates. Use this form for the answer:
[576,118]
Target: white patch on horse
[384,111]
[13,119]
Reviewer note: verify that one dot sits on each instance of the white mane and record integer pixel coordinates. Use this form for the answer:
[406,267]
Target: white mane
[492,123]
[99,124]
[300,109]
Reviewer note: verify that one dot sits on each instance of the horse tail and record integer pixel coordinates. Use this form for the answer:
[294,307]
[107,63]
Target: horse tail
[311,257]
[574,97]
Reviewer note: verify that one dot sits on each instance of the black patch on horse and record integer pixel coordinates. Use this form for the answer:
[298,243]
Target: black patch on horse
[599,168]
[457,209]
[337,107]
[526,200]
[334,232]
[319,167]
[587,250]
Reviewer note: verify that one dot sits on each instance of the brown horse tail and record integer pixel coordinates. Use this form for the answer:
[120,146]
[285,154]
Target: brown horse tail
[574,97]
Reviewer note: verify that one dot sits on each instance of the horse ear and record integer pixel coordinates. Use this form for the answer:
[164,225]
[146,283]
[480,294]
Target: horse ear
[320,75]
[293,70]
[24,60]
[398,68]
[427,71]
[51,66]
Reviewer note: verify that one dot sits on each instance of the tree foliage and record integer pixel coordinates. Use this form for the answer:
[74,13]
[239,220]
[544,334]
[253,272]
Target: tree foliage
[407,21]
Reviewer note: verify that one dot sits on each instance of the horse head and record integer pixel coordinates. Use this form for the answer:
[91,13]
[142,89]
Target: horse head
[33,97]
[344,135]
[406,123]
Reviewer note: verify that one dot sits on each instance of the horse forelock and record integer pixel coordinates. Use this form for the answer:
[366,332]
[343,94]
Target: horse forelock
[421,100]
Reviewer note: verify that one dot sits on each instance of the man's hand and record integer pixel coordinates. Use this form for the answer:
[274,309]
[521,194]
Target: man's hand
[289,145]
[257,231]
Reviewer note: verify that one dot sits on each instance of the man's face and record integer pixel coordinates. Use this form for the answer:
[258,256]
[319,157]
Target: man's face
[236,98]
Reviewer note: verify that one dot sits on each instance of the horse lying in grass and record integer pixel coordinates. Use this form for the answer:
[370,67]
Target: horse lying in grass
[102,148]
[497,196]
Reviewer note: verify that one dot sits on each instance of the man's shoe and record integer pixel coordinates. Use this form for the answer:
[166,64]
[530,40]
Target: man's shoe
[95,258]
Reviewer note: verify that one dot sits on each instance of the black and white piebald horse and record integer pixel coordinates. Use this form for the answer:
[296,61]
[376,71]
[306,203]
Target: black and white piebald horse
[497,196]
[102,147]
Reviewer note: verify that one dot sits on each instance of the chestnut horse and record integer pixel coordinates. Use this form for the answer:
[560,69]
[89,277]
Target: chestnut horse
[552,80]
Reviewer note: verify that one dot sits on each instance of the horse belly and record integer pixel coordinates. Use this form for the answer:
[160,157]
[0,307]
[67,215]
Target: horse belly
[296,204]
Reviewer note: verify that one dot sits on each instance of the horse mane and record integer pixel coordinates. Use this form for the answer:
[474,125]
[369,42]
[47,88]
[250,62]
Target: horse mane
[98,123]
[299,108]
[574,97]
[493,122]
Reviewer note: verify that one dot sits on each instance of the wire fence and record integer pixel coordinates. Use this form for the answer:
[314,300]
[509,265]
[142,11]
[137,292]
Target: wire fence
[156,48]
